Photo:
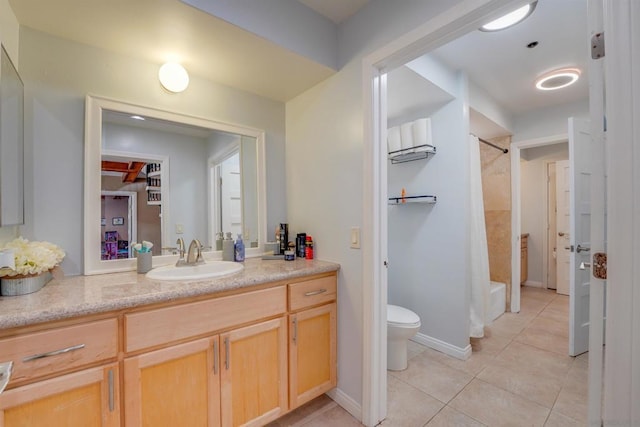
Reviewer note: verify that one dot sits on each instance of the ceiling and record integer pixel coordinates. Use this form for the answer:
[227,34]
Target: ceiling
[210,48]
[501,64]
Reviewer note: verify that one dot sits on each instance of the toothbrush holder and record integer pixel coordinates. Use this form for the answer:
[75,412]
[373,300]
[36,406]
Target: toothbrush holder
[144,261]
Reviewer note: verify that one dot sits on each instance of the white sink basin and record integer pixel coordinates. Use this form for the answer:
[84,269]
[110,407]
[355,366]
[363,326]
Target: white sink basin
[195,272]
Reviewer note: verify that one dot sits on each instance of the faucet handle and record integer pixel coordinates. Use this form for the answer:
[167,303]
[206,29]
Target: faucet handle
[199,247]
[180,243]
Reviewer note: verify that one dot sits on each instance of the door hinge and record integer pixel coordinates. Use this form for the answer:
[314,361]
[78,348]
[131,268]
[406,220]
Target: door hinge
[597,46]
[599,265]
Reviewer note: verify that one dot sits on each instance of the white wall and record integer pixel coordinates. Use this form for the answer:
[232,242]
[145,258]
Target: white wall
[533,180]
[325,166]
[428,244]
[9,37]
[58,74]
[547,121]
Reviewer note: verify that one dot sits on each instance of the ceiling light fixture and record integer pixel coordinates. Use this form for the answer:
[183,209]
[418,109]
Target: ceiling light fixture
[558,79]
[510,19]
[173,77]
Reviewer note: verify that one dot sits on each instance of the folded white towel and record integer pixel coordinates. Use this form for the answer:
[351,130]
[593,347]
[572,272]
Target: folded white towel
[406,136]
[393,139]
[422,133]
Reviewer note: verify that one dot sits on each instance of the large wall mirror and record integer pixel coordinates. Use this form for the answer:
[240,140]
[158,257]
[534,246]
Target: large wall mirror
[11,143]
[159,176]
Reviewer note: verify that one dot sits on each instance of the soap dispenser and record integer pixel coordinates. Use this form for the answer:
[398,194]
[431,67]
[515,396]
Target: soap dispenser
[239,249]
[228,248]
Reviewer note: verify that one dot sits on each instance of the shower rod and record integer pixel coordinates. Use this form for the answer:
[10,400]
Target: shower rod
[504,150]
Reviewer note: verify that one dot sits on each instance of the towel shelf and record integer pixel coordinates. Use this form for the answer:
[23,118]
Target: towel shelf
[412,199]
[418,152]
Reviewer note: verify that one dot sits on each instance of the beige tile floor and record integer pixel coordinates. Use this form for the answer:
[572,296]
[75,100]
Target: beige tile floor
[518,375]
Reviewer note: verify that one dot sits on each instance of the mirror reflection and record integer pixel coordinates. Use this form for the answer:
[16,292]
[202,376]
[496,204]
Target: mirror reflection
[162,180]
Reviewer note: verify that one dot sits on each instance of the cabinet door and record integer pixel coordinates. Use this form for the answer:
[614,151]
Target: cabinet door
[312,353]
[254,373]
[175,386]
[81,399]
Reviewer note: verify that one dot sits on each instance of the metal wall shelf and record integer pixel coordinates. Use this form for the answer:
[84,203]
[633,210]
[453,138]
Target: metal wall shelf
[412,199]
[418,152]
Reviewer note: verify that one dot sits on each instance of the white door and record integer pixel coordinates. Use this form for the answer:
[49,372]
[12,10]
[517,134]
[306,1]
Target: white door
[563,226]
[552,232]
[580,151]
[230,194]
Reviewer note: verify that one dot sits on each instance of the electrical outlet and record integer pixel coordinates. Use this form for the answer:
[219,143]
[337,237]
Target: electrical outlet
[179,229]
[355,237]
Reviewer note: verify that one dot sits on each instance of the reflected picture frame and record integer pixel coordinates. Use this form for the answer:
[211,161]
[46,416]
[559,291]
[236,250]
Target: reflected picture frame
[117,220]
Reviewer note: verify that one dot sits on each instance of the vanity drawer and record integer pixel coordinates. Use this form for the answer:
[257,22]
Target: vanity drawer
[312,292]
[165,325]
[43,353]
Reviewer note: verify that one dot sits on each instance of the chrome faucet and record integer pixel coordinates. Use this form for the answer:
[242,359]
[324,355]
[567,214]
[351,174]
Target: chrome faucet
[180,243]
[194,256]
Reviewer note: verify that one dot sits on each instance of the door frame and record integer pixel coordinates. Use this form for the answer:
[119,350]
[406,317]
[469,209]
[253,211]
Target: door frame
[465,16]
[214,196]
[132,214]
[516,207]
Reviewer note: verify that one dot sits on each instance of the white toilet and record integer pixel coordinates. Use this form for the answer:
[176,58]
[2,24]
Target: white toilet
[402,324]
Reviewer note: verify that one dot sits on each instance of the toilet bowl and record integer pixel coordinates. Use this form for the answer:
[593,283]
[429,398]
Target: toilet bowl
[402,324]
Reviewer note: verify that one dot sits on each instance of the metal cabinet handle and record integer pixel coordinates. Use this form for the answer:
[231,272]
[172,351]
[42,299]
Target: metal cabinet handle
[112,404]
[53,353]
[215,357]
[295,330]
[5,374]
[312,293]
[226,354]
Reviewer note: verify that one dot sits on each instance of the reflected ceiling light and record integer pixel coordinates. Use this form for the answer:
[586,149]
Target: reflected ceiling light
[173,77]
[510,19]
[558,79]
[137,118]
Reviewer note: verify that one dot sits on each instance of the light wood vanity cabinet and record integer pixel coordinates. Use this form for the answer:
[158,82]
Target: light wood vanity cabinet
[524,256]
[88,397]
[312,343]
[241,359]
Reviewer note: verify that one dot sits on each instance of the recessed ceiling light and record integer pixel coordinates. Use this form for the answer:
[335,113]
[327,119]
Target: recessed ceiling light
[510,19]
[558,79]
[137,118]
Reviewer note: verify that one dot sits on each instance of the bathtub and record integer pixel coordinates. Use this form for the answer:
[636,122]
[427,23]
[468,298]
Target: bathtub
[497,299]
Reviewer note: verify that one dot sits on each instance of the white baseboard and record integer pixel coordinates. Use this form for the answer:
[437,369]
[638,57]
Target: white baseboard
[344,400]
[443,347]
[534,284]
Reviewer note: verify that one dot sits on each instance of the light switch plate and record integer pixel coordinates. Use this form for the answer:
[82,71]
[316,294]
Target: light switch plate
[355,237]
[179,229]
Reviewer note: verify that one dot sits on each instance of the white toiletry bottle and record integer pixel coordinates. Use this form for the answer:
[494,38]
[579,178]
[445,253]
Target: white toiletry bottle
[228,248]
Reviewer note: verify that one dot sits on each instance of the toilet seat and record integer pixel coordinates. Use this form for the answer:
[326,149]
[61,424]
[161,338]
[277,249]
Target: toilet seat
[401,317]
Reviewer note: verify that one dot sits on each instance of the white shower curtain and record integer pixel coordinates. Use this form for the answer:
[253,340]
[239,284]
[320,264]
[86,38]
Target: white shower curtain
[480,281]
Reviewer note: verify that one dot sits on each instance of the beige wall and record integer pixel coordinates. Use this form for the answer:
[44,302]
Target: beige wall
[496,189]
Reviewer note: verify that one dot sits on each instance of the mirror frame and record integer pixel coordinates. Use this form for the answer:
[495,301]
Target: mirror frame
[94,106]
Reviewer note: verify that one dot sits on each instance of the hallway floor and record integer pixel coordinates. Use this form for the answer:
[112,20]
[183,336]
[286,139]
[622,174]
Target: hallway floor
[518,375]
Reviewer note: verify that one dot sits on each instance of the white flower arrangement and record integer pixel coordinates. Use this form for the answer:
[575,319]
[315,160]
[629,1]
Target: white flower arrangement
[32,258]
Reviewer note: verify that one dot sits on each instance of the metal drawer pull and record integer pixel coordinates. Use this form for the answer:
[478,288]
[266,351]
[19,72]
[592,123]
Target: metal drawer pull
[53,353]
[226,353]
[5,374]
[295,330]
[312,293]
[215,357]
[111,396]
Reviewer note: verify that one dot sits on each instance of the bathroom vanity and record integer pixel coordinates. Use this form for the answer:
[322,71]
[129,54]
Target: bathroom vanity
[119,349]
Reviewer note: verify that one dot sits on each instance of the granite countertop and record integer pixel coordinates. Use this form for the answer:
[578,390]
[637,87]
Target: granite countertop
[83,295]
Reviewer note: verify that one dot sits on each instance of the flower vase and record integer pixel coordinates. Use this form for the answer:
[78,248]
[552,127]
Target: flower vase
[23,284]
